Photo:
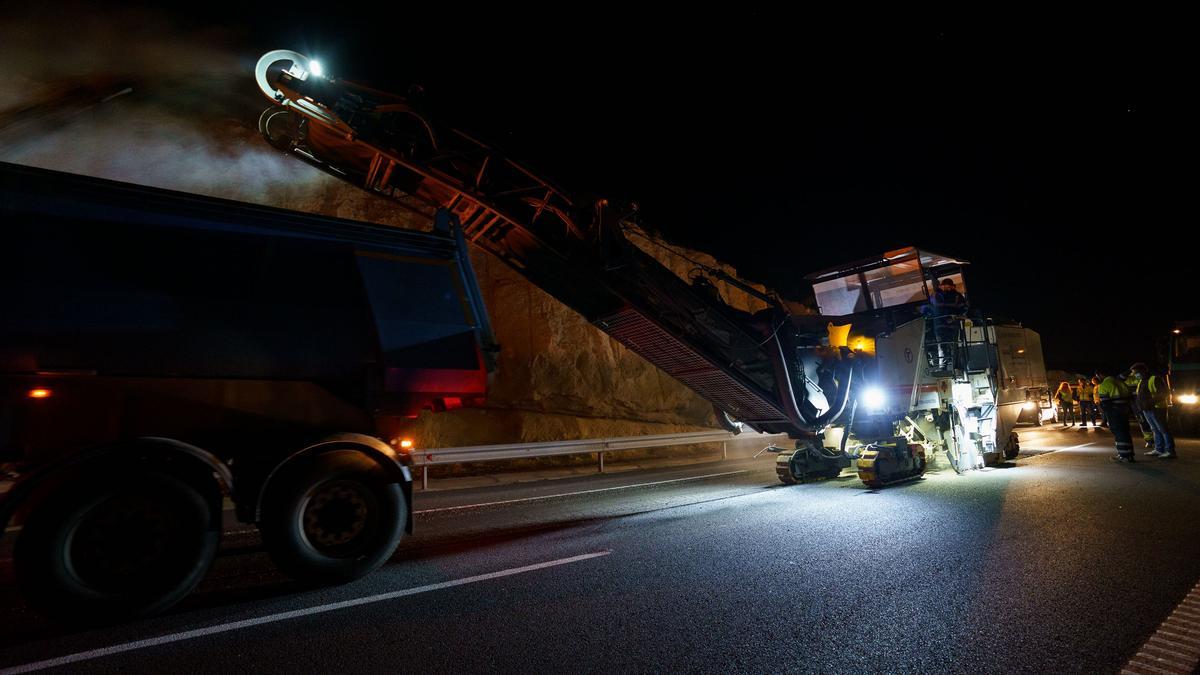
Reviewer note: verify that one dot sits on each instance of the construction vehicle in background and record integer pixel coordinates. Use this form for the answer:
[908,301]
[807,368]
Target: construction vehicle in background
[1183,374]
[162,352]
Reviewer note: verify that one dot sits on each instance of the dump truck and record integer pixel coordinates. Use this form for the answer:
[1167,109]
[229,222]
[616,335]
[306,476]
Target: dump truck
[162,351]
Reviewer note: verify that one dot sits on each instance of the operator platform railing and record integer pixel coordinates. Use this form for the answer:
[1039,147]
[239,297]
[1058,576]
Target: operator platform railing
[492,453]
[954,355]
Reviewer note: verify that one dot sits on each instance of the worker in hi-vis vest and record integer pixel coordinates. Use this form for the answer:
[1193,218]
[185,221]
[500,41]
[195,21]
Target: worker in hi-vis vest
[1087,403]
[1147,431]
[1115,401]
[1065,398]
[1096,400]
[1152,396]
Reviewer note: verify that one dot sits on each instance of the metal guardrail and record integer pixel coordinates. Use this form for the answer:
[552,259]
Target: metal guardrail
[490,453]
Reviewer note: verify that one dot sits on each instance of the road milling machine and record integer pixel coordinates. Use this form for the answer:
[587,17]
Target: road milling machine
[162,351]
[926,384]
[862,385]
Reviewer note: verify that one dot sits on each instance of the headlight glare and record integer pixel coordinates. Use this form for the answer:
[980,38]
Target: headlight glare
[874,398]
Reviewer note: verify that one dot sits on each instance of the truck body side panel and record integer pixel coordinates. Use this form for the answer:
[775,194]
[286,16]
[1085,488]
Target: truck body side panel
[236,328]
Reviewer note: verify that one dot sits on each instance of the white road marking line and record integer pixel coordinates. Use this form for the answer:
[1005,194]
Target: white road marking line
[284,616]
[1176,638]
[1145,665]
[1175,646]
[1041,453]
[1167,656]
[1184,634]
[581,492]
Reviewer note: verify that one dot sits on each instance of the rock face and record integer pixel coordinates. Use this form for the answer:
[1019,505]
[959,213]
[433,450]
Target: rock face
[558,377]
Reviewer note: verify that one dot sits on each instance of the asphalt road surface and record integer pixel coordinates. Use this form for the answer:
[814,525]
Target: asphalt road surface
[1061,561]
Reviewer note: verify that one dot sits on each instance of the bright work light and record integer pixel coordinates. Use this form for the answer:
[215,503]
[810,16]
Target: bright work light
[874,398]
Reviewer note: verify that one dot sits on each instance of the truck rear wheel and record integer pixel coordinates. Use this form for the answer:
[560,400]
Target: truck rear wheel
[116,547]
[332,518]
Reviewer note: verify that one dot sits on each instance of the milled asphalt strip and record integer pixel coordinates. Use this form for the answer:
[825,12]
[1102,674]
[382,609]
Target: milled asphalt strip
[284,616]
[581,492]
[1051,452]
[1175,646]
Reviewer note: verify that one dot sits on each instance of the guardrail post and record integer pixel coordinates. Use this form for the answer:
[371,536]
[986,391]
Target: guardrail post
[600,455]
[425,477]
[724,449]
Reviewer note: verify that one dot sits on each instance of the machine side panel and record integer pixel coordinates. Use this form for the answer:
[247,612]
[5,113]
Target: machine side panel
[1033,354]
[1020,352]
[900,356]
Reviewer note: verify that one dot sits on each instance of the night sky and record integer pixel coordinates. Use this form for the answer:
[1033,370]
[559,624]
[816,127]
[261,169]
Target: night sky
[1055,159]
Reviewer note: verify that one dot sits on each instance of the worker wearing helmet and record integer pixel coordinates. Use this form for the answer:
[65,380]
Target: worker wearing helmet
[1152,397]
[1115,399]
[948,306]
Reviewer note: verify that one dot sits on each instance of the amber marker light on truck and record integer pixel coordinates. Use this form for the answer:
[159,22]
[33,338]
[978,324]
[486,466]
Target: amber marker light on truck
[39,393]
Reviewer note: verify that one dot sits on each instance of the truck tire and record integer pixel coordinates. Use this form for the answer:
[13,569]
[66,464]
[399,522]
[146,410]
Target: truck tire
[332,518]
[116,547]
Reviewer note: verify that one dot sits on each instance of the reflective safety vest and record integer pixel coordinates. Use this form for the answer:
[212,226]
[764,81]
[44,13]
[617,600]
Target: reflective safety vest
[1158,393]
[1066,396]
[1112,388]
[1087,393]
